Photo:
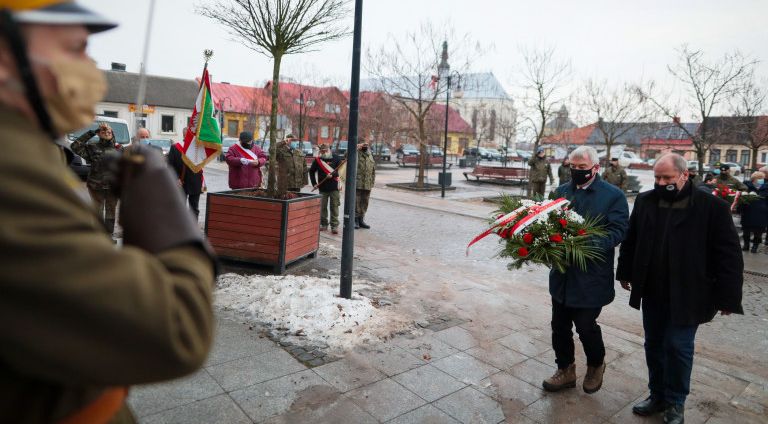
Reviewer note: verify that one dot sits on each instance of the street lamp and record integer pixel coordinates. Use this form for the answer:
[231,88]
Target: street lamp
[221,114]
[303,110]
[444,71]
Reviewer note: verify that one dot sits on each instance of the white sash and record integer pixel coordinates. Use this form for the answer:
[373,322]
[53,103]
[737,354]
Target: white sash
[245,152]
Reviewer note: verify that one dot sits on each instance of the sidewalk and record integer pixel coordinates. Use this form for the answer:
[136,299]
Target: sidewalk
[479,353]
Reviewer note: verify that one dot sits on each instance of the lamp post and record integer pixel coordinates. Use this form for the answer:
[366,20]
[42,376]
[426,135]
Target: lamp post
[303,110]
[221,114]
[444,71]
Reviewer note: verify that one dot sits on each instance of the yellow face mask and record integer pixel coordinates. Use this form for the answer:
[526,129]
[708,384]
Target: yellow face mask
[80,85]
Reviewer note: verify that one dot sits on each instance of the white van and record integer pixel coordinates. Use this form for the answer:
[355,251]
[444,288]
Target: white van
[120,130]
[626,157]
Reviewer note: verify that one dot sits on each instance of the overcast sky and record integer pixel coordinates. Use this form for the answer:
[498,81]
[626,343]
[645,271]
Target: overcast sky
[617,40]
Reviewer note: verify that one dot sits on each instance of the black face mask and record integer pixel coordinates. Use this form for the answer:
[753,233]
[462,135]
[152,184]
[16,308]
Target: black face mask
[247,145]
[667,192]
[363,149]
[581,176]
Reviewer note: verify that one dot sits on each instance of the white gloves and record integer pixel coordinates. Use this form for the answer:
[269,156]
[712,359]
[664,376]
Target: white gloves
[244,161]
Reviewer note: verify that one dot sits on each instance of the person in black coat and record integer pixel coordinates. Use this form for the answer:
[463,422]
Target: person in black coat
[678,287]
[754,215]
[190,181]
[579,296]
[328,186]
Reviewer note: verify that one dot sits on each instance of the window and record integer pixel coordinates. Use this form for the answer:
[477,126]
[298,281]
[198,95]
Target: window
[141,119]
[745,157]
[764,157]
[714,155]
[336,132]
[323,132]
[110,113]
[166,123]
[312,132]
[337,108]
[232,127]
[730,155]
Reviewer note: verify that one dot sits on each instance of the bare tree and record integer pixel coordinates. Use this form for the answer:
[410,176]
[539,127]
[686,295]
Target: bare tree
[405,68]
[618,110]
[543,79]
[276,28]
[749,104]
[707,85]
[506,125]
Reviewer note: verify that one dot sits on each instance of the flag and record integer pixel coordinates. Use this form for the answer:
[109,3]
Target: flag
[202,140]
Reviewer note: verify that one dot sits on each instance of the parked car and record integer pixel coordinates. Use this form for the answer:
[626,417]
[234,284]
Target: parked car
[119,129]
[381,152]
[407,150]
[735,168]
[78,165]
[305,146]
[484,153]
[435,151]
[695,164]
[625,157]
[339,147]
[163,144]
[226,143]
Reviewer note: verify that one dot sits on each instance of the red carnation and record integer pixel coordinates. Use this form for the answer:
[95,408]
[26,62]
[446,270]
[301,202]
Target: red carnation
[557,238]
[563,222]
[522,252]
[582,232]
[527,238]
[504,233]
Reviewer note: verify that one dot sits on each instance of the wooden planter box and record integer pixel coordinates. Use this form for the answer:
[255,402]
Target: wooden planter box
[263,231]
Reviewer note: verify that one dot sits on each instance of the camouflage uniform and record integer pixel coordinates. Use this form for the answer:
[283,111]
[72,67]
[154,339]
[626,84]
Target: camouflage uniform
[731,182]
[292,164]
[366,176]
[98,185]
[616,176]
[540,170]
[564,174]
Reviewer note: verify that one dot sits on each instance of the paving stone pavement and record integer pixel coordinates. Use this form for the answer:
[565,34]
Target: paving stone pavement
[474,363]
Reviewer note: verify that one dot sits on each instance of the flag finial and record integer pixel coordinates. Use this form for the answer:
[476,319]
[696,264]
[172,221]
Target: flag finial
[208,53]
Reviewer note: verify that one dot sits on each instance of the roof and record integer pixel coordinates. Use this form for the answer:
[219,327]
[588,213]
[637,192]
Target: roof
[482,86]
[290,95]
[161,91]
[671,131]
[571,136]
[240,99]
[473,86]
[456,124]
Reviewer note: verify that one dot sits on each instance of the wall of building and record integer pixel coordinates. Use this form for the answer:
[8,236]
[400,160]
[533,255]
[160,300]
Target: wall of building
[503,110]
[175,119]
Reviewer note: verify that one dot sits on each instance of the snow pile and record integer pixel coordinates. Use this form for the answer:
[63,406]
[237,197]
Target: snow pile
[307,309]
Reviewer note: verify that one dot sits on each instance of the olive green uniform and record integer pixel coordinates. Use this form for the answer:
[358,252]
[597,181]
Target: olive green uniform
[540,170]
[731,182]
[292,173]
[616,175]
[78,315]
[98,184]
[564,174]
[366,177]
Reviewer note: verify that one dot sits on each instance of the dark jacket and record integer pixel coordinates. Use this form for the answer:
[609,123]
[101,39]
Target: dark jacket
[595,287]
[191,182]
[755,214]
[95,153]
[316,174]
[705,272]
[564,174]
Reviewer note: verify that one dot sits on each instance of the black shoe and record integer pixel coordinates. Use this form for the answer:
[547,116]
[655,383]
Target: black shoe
[754,249]
[363,224]
[745,248]
[674,414]
[357,223]
[649,406]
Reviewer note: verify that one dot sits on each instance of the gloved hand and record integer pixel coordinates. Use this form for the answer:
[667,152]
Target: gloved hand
[153,213]
[244,161]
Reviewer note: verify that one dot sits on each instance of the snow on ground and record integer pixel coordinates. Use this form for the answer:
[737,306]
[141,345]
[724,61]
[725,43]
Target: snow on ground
[308,308]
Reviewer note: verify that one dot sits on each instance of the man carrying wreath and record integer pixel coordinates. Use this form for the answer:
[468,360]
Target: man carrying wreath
[578,296]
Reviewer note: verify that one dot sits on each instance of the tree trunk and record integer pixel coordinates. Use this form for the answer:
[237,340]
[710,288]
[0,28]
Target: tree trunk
[272,175]
[700,157]
[422,154]
[608,145]
[755,151]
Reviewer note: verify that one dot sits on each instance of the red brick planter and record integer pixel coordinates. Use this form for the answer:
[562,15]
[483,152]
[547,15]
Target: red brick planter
[263,231]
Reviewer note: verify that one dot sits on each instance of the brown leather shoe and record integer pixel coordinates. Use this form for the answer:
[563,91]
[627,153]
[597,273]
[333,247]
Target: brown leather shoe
[562,379]
[594,378]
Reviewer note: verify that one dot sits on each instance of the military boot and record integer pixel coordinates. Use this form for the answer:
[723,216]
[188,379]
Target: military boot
[363,224]
[594,378]
[357,222]
[674,414]
[562,379]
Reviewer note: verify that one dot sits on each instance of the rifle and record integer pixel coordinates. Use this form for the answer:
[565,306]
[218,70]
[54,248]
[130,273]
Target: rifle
[343,162]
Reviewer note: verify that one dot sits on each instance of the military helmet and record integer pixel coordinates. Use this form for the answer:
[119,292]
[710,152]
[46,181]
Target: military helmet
[56,12]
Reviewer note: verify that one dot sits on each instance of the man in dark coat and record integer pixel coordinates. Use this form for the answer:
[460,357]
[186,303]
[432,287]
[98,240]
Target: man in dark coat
[754,215]
[189,181]
[678,287]
[323,174]
[579,296]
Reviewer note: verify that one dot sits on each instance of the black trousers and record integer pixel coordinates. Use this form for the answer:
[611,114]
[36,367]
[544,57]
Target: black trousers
[585,320]
[757,235]
[194,203]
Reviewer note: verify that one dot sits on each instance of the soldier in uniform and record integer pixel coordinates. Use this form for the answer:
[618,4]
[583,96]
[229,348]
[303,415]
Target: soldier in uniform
[292,166]
[98,184]
[725,178]
[540,170]
[366,176]
[693,176]
[615,174]
[324,175]
[564,172]
[81,320]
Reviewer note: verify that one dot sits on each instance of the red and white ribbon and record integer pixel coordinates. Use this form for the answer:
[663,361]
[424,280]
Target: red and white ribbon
[249,154]
[534,211]
[735,201]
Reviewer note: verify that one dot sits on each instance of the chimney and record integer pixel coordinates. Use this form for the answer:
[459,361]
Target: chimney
[676,120]
[118,67]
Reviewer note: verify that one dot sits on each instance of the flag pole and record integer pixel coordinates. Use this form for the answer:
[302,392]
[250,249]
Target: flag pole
[143,71]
